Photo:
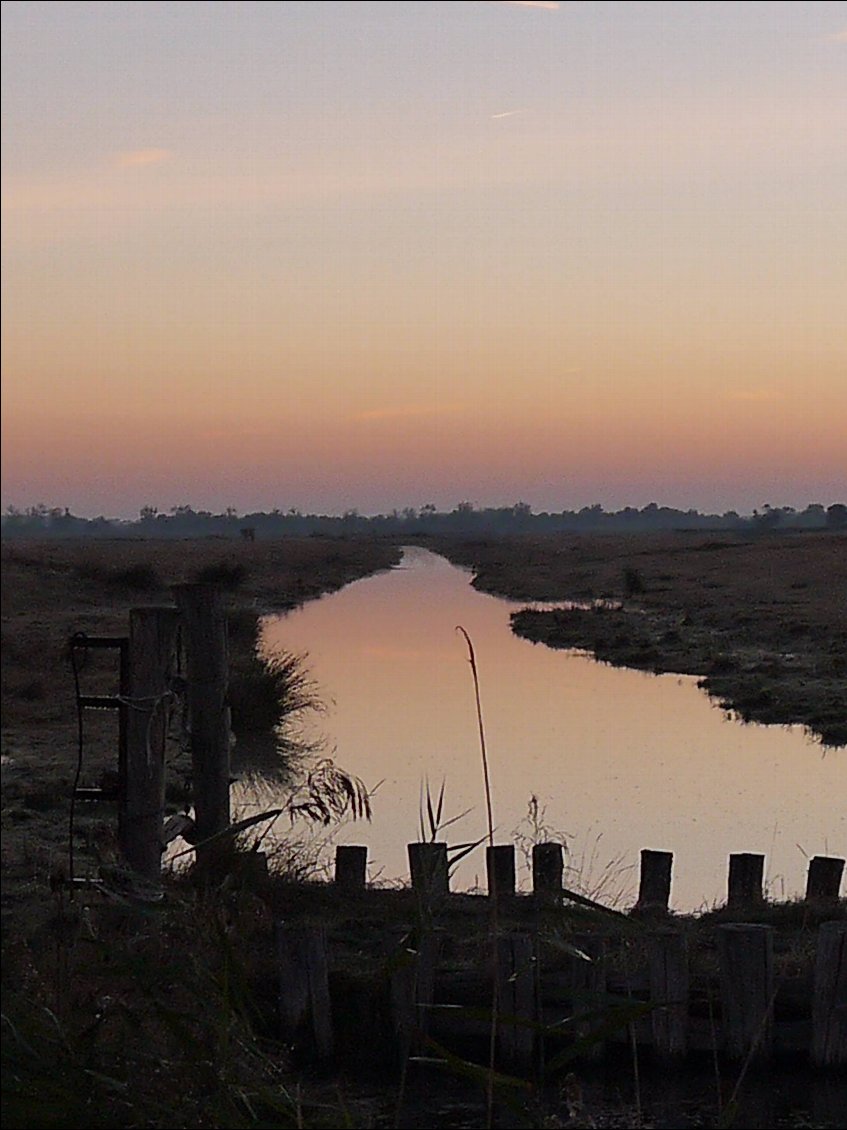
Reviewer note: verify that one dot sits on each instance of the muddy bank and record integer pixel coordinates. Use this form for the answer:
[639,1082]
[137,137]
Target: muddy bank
[762,622]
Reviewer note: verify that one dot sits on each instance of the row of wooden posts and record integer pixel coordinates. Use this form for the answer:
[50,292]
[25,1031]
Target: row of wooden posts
[573,1003]
[199,619]
[430,873]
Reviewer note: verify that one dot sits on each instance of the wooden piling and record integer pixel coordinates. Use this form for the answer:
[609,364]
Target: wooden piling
[516,1002]
[588,990]
[829,1001]
[411,992]
[500,869]
[152,635]
[746,878]
[204,640]
[351,865]
[745,954]
[654,889]
[823,881]
[305,1013]
[669,990]
[428,868]
[548,866]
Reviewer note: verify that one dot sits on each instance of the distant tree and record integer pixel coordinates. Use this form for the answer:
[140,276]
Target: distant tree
[836,516]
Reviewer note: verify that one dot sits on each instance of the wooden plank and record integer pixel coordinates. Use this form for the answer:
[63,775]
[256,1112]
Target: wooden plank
[411,992]
[152,635]
[204,640]
[305,1011]
[669,988]
[588,988]
[829,1002]
[516,1011]
[745,954]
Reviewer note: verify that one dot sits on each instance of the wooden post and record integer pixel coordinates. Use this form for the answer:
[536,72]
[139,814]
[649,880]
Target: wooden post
[204,638]
[823,881]
[411,990]
[669,988]
[547,869]
[304,1005]
[515,1001]
[500,869]
[654,889]
[746,876]
[428,868]
[829,1003]
[588,988]
[152,633]
[745,953]
[351,865]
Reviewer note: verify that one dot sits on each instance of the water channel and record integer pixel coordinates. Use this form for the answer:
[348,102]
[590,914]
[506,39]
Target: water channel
[617,760]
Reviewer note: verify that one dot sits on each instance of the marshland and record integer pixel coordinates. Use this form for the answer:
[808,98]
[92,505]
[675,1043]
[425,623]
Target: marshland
[101,989]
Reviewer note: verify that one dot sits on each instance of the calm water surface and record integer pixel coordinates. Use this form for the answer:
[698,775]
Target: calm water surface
[619,760]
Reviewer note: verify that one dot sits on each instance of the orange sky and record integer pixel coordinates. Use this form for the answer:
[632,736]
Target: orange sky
[334,255]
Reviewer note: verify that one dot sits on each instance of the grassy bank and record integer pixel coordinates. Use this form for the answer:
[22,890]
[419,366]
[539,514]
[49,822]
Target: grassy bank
[762,622]
[53,589]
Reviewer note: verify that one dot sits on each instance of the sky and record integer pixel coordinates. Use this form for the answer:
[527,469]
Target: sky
[376,255]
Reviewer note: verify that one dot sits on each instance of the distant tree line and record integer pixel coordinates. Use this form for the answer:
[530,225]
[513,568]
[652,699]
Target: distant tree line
[463,520]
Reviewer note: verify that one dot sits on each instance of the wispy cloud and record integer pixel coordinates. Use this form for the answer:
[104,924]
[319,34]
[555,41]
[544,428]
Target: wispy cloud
[550,5]
[135,157]
[507,114]
[760,395]
[407,411]
[838,36]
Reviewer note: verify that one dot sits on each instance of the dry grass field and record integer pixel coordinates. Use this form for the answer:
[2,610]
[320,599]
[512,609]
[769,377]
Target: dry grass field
[762,621]
[119,1013]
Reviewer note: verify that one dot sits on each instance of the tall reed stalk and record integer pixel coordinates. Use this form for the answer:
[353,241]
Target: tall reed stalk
[493,893]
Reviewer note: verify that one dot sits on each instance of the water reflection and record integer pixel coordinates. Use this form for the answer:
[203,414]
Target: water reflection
[619,760]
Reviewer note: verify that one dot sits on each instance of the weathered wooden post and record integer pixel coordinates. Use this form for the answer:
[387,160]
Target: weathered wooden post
[351,865]
[152,635]
[516,1003]
[829,1003]
[588,988]
[669,989]
[204,639]
[746,877]
[823,881]
[428,868]
[654,889]
[500,869]
[548,866]
[745,954]
[304,1004]
[411,991]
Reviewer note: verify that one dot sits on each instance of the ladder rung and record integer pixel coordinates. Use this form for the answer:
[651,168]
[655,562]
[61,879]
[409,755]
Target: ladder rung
[86,793]
[100,701]
[100,641]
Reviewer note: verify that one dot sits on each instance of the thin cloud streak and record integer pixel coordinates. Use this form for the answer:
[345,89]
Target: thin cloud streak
[507,114]
[408,411]
[550,5]
[136,158]
[755,395]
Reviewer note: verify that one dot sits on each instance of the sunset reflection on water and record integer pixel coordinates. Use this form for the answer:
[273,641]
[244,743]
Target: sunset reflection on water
[618,760]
